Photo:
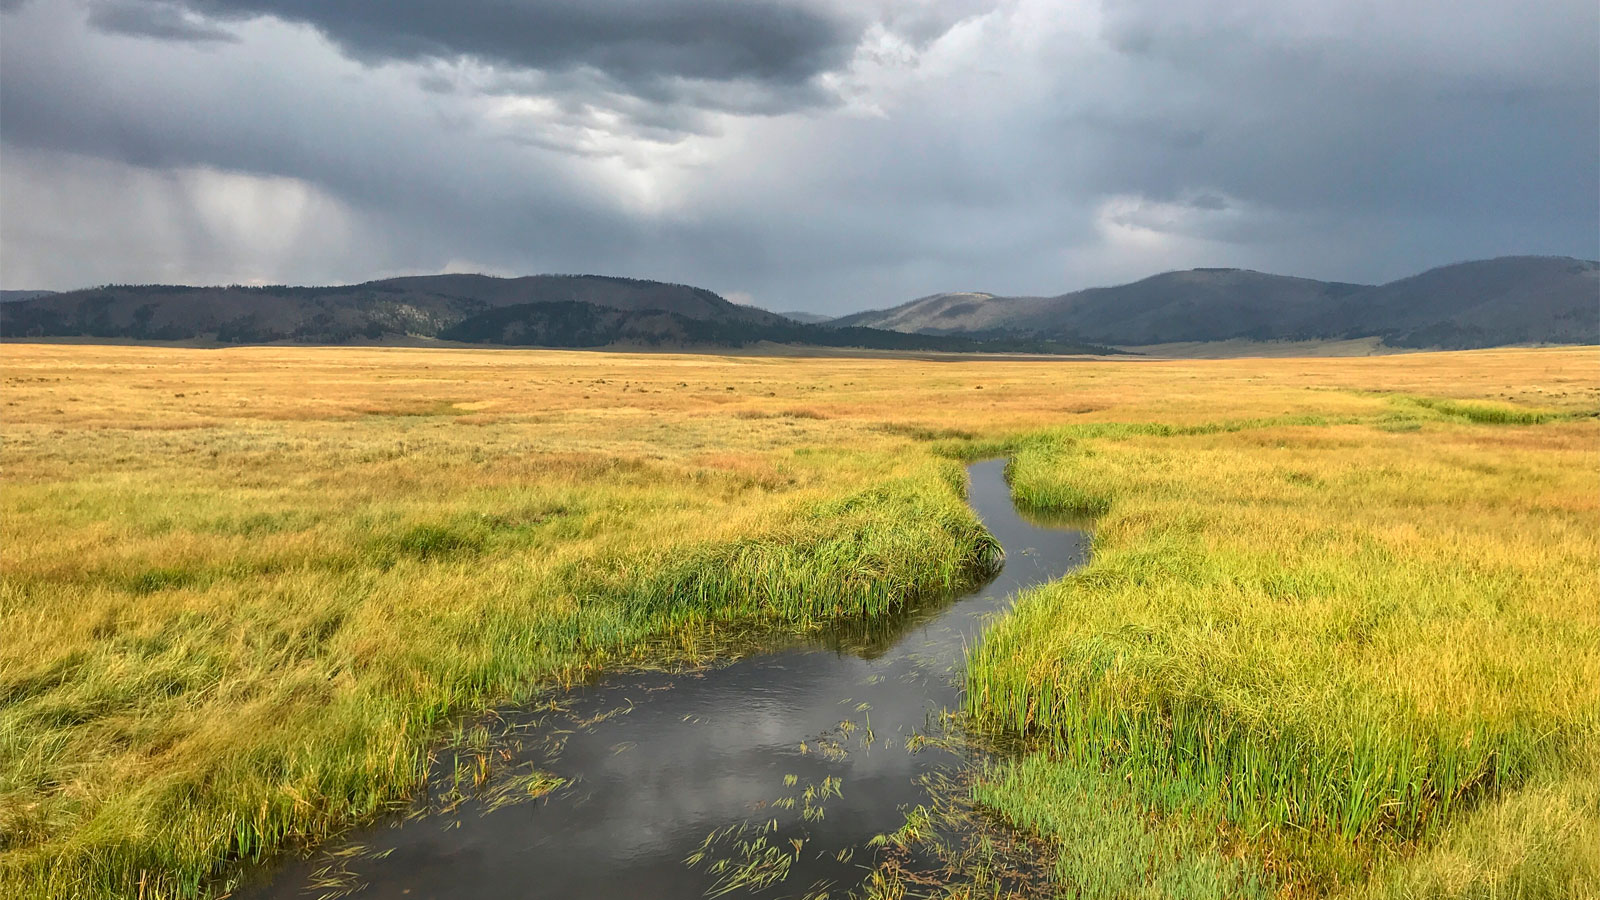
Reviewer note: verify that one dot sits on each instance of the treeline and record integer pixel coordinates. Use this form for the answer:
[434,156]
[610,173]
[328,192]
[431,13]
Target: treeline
[571,324]
[558,323]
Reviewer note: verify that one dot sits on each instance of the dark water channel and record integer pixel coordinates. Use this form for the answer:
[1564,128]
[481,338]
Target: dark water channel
[655,763]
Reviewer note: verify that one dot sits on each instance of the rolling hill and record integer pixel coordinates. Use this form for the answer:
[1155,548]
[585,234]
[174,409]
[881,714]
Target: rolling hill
[420,306]
[1509,300]
[540,310]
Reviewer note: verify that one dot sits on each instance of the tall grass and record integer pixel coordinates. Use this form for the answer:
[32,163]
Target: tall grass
[1333,640]
[1542,841]
[1108,847]
[363,671]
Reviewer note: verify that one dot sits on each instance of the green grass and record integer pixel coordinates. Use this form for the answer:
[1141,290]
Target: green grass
[1536,843]
[1331,643]
[1484,413]
[1108,846]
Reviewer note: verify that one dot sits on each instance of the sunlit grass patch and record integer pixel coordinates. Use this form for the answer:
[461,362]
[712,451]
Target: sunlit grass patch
[1484,413]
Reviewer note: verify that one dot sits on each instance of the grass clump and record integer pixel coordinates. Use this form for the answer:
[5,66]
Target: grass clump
[845,558]
[1108,846]
[431,541]
[1485,413]
[1542,841]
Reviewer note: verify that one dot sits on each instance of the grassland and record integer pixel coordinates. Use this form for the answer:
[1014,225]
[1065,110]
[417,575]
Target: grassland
[1338,635]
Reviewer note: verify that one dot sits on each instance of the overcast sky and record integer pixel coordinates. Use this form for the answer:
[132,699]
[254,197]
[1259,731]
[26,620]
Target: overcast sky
[824,155]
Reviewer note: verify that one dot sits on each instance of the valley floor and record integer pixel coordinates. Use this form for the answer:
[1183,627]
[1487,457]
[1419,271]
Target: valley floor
[1338,637]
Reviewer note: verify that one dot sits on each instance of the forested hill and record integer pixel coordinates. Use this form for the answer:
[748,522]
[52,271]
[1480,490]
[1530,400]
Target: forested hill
[541,310]
[1510,300]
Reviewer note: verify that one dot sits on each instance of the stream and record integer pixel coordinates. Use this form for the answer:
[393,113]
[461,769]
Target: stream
[785,763]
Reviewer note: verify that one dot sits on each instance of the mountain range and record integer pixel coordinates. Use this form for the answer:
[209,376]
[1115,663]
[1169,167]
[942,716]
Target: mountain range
[538,310]
[1510,300]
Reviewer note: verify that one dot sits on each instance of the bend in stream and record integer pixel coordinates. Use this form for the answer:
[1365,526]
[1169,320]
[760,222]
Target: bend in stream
[783,764]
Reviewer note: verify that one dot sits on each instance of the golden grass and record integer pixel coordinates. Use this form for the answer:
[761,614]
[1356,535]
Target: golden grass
[244,589]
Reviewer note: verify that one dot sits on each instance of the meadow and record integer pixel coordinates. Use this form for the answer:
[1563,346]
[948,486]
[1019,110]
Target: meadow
[1339,634]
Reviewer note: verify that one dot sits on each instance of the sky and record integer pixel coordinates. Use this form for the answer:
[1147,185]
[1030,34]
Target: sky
[818,155]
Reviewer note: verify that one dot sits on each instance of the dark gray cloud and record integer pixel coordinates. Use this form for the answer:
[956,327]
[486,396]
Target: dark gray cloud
[650,49]
[154,20]
[809,153]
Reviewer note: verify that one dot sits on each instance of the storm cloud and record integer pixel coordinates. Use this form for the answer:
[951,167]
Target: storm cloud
[803,153]
[647,49]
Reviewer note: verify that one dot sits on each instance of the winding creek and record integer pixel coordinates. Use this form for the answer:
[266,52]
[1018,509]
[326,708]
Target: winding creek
[656,763]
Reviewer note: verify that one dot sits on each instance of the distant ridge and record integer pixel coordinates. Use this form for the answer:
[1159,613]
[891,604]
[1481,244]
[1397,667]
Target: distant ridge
[535,311]
[416,305]
[1485,303]
[1509,300]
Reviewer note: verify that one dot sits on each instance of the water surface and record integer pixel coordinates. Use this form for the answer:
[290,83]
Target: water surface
[657,763]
